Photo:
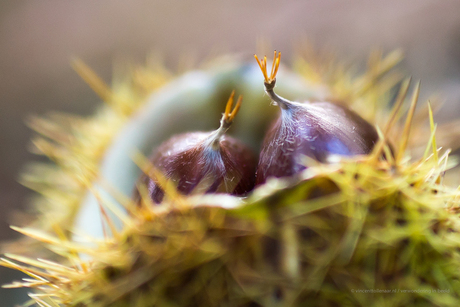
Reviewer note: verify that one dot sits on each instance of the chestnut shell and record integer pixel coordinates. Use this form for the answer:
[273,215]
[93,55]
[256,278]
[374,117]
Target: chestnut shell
[196,167]
[316,130]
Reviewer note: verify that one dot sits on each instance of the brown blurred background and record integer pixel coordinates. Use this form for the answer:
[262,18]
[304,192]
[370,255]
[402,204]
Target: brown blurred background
[38,39]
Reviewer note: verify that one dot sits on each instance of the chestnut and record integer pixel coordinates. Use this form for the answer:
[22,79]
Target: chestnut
[204,162]
[314,129]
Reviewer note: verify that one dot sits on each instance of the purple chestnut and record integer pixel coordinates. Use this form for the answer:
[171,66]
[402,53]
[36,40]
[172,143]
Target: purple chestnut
[313,129]
[204,162]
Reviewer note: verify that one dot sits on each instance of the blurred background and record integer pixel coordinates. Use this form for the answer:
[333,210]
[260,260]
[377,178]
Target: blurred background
[39,38]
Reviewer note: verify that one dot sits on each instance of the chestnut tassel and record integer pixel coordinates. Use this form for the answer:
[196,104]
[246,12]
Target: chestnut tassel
[313,129]
[204,162]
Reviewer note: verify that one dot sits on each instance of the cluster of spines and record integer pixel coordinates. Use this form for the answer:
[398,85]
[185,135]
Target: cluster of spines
[56,280]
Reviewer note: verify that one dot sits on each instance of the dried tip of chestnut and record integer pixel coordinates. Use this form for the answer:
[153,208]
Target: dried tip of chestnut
[203,162]
[314,129]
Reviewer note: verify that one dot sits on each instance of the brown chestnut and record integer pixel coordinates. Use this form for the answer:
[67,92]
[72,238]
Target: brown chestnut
[314,129]
[204,162]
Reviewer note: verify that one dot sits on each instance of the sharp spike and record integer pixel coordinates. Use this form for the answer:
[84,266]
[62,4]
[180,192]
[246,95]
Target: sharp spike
[433,129]
[37,235]
[407,126]
[104,217]
[92,79]
[399,102]
[429,145]
[120,214]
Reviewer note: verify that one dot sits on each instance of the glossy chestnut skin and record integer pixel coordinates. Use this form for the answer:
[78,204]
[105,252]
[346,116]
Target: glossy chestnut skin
[203,162]
[195,167]
[316,130]
[313,129]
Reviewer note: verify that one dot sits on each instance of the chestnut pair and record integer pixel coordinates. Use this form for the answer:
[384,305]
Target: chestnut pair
[211,162]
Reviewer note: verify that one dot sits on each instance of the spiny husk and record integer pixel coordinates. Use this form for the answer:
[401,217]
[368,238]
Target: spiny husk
[359,225]
[76,145]
[345,233]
